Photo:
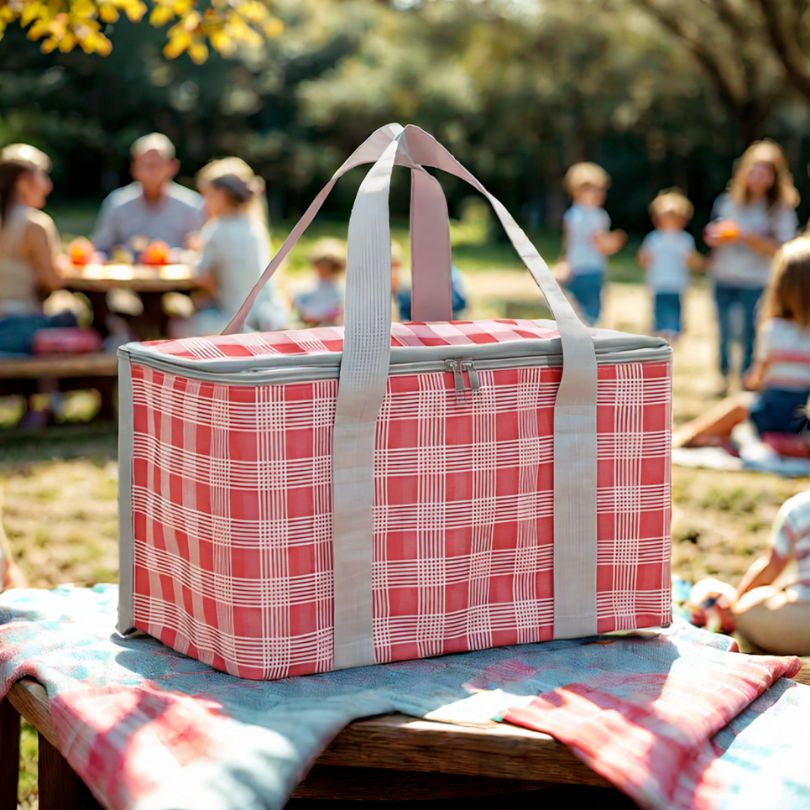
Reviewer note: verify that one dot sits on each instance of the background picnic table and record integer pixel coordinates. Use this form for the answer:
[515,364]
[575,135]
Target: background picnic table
[150,282]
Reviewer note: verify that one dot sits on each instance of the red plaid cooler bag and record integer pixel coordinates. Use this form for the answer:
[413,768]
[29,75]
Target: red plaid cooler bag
[303,501]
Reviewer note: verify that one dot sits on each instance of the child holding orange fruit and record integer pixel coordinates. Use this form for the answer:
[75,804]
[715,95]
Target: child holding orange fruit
[749,223]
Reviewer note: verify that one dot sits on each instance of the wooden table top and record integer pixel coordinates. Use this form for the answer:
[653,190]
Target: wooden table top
[135,277]
[398,742]
[419,759]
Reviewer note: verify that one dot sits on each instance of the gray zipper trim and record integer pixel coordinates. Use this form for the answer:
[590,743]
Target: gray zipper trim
[465,361]
[610,343]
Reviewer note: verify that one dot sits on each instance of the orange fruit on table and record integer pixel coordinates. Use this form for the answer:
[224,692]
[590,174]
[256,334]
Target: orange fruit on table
[156,253]
[81,251]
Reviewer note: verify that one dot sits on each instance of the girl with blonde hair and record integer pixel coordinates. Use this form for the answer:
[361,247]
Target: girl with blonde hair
[750,221]
[235,250]
[781,372]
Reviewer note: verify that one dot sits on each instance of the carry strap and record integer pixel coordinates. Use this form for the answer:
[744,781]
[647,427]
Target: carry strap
[430,253]
[431,283]
[362,386]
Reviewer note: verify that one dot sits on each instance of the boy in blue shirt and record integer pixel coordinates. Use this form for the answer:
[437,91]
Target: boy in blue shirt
[667,254]
[588,239]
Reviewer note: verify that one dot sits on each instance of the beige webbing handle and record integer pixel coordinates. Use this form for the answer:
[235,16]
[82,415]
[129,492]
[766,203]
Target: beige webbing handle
[575,448]
[430,249]
[362,385]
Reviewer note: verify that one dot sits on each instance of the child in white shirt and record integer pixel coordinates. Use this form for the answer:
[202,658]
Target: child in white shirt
[667,254]
[323,304]
[235,252]
[587,237]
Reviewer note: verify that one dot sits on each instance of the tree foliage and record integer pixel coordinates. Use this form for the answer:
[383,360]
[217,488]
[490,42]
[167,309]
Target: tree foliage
[518,89]
[67,24]
[749,50]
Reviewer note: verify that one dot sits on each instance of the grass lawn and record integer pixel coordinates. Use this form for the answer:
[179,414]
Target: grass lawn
[60,485]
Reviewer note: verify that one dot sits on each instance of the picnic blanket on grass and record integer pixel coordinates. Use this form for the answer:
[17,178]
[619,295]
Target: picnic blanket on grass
[745,451]
[676,718]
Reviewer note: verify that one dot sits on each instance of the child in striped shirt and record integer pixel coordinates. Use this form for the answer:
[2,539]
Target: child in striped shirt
[771,612]
[781,373]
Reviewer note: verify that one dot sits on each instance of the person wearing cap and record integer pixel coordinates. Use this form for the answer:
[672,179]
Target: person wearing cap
[151,208]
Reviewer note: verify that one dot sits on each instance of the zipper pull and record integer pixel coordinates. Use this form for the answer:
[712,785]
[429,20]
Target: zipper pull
[472,375]
[455,367]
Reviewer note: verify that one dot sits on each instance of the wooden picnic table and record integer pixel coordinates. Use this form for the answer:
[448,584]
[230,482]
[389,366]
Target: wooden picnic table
[389,758]
[150,282]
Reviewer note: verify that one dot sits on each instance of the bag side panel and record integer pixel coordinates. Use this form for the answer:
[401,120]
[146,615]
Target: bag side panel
[125,535]
[464,518]
[232,514]
[232,517]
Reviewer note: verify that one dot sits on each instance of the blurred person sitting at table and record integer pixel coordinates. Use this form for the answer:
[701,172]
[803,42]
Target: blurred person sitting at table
[30,262]
[153,207]
[235,249]
[30,252]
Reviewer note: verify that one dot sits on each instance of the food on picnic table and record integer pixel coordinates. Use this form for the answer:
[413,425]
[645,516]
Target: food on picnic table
[156,253]
[120,255]
[81,251]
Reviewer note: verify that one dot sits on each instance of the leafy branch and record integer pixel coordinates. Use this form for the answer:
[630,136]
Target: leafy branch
[194,25]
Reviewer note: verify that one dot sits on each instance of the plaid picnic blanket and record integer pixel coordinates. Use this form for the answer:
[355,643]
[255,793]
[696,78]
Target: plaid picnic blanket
[675,719]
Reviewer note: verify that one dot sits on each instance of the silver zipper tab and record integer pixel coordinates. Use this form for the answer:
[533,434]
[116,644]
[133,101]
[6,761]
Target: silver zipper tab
[455,366]
[472,375]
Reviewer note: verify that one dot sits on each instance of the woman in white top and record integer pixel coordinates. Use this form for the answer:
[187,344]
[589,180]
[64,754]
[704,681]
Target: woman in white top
[30,253]
[235,250]
[749,223]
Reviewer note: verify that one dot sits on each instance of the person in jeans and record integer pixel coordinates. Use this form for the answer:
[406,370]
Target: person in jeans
[30,252]
[667,254]
[750,221]
[588,239]
[780,374]
[30,260]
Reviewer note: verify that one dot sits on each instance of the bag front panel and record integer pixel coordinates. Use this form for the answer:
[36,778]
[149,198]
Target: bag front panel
[231,496]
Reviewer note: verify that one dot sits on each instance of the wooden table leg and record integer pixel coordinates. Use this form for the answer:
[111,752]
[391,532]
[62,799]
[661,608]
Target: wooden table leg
[153,323]
[98,305]
[9,755]
[60,788]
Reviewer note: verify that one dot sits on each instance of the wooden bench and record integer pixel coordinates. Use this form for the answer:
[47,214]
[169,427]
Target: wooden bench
[390,757]
[72,372]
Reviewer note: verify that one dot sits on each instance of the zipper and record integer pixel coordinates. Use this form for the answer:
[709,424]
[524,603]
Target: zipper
[472,375]
[460,368]
[455,368]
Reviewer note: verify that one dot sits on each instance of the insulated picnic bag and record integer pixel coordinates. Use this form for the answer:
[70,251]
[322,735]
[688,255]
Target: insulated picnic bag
[310,500]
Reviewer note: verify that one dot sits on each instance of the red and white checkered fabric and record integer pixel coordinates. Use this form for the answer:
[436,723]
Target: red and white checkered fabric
[232,520]
[329,339]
